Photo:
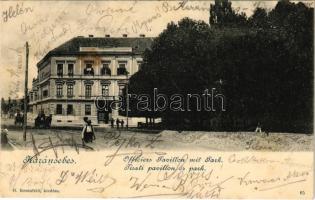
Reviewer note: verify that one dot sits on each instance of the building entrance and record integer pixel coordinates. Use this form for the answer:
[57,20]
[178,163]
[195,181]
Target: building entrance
[103,111]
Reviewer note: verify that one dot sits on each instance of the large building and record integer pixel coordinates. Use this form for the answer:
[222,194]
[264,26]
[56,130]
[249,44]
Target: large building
[73,75]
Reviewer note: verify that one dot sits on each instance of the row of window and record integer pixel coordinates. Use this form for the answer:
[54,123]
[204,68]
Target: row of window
[89,71]
[60,69]
[88,90]
[70,93]
[34,96]
[70,110]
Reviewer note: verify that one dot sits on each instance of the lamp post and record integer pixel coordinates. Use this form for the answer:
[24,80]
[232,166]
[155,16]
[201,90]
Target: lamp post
[127,99]
[25,93]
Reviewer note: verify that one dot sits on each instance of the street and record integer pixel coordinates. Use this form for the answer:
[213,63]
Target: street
[211,141]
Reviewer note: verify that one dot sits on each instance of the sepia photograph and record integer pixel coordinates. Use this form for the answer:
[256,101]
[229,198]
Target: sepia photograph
[157,99]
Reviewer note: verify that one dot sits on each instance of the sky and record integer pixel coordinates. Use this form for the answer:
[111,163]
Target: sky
[48,24]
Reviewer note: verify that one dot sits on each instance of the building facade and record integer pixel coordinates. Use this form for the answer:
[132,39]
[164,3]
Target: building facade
[72,76]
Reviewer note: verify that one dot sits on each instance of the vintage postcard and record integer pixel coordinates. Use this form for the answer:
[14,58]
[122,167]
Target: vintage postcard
[157,99]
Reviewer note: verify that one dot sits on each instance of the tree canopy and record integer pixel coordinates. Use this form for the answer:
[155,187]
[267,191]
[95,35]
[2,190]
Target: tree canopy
[263,65]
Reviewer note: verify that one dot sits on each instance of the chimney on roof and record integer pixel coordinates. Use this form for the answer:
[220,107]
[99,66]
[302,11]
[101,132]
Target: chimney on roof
[107,36]
[91,35]
[142,35]
[125,35]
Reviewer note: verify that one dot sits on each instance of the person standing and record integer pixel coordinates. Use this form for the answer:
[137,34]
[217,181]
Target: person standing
[85,119]
[122,123]
[258,128]
[83,137]
[42,117]
[117,123]
[112,121]
[88,134]
[48,121]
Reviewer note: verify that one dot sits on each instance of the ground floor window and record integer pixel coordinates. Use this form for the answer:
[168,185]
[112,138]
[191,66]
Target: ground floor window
[121,90]
[105,90]
[59,109]
[70,109]
[87,109]
[88,91]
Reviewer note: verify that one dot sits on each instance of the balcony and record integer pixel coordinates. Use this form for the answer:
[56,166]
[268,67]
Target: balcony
[88,72]
[97,97]
[121,71]
[105,72]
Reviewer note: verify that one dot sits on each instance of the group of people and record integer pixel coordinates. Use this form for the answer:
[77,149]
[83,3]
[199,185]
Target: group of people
[41,121]
[88,134]
[119,123]
[18,118]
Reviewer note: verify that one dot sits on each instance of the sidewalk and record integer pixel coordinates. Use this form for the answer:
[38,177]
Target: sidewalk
[41,136]
[204,141]
[108,138]
[44,137]
[9,123]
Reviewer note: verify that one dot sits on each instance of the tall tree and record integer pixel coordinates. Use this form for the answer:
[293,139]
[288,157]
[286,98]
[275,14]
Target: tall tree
[265,69]
[259,19]
[179,62]
[3,106]
[9,104]
[272,68]
[222,14]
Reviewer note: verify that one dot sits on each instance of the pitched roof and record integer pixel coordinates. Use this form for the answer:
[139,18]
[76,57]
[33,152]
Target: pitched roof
[72,47]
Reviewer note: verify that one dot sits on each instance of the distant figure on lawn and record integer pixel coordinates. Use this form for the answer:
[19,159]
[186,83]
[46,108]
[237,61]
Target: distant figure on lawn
[88,134]
[258,128]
